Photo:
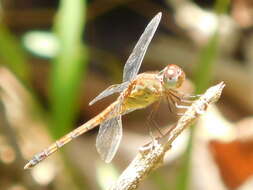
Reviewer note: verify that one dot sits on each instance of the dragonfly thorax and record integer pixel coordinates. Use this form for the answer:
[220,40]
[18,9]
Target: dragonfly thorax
[171,77]
[142,91]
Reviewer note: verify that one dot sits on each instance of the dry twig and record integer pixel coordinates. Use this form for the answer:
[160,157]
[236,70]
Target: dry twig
[151,156]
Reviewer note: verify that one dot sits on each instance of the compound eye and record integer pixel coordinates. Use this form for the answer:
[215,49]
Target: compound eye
[173,76]
[172,73]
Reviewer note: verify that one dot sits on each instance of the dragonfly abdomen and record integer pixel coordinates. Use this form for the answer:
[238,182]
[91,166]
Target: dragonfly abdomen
[51,149]
[104,115]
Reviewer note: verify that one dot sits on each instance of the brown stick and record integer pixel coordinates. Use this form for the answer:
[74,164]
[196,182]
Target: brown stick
[151,156]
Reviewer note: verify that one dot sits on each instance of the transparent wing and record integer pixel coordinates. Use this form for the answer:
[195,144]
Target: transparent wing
[116,88]
[109,137]
[134,61]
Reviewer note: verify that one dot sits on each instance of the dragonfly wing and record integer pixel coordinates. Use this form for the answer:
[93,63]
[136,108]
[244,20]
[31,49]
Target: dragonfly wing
[116,88]
[134,61]
[109,137]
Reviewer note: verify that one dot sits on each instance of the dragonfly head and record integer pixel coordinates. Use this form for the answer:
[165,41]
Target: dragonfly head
[172,76]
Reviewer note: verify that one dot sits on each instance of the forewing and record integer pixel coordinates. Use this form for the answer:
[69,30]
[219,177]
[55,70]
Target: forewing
[116,88]
[109,137]
[134,61]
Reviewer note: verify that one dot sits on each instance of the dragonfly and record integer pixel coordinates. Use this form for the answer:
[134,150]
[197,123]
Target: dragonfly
[137,91]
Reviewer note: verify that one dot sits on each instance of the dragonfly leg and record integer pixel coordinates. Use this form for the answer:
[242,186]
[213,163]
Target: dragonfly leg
[149,146]
[151,119]
[186,101]
[172,100]
[150,131]
[202,110]
[188,98]
[169,103]
[170,129]
[181,106]
[183,97]
[180,114]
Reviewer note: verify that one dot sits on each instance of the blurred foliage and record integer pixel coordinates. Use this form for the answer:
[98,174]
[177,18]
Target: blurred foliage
[12,54]
[68,66]
[207,59]
[221,6]
[160,181]
[202,79]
